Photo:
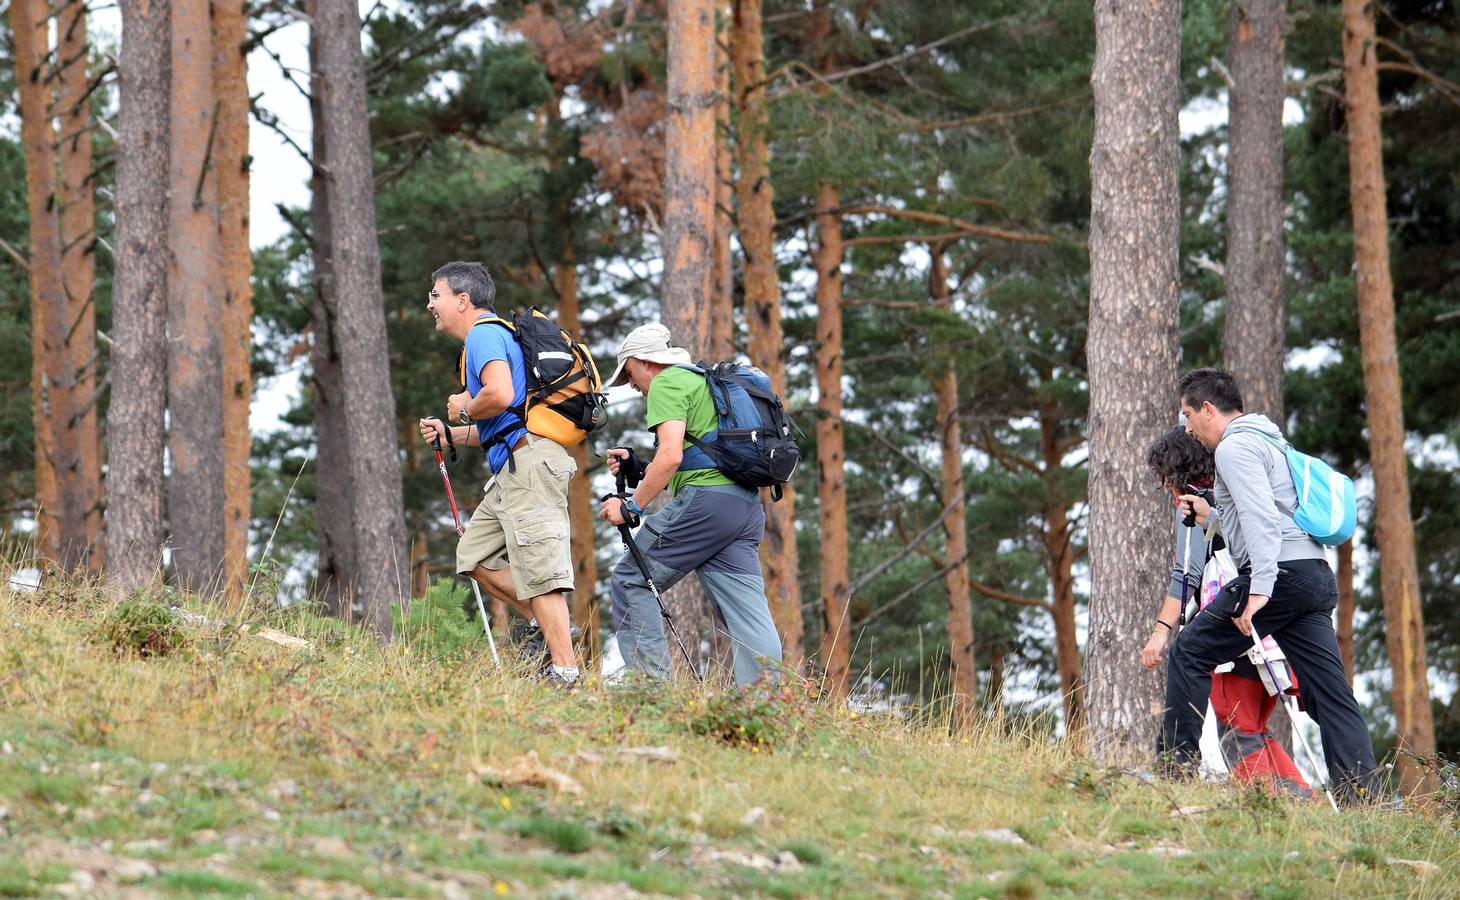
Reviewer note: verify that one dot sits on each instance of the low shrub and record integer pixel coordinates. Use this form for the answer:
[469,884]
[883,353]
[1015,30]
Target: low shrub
[144,626]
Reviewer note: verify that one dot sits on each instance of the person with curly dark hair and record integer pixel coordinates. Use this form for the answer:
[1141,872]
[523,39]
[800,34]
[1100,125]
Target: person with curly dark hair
[1184,467]
[1240,703]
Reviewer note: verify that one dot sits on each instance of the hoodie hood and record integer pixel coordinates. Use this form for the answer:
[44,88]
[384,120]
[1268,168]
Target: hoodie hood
[1254,422]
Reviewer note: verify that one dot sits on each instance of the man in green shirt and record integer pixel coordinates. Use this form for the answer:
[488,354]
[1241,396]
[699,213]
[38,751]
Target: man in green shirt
[711,527]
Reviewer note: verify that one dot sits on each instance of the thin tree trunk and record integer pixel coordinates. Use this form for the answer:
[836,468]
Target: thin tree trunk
[334,505]
[580,492]
[831,475]
[1132,354]
[1060,559]
[689,220]
[420,566]
[369,402]
[1253,341]
[1345,625]
[194,309]
[962,677]
[60,515]
[722,273]
[763,305]
[689,196]
[78,268]
[994,696]
[231,152]
[135,418]
[1393,527]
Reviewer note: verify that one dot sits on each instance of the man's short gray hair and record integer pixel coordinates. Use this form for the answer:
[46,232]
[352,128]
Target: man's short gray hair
[472,279]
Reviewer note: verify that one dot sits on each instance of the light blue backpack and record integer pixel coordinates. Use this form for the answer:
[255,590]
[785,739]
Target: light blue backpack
[1326,510]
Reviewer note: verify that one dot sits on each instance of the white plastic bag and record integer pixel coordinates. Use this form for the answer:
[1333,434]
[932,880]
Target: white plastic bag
[1218,572]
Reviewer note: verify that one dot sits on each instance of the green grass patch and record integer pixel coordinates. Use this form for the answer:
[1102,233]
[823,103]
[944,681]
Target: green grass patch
[382,767]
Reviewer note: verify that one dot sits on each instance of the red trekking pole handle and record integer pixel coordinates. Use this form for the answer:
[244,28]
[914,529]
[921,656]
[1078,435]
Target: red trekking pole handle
[446,479]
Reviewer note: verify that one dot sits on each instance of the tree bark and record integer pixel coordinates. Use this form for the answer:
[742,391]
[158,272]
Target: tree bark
[334,505]
[963,679]
[78,272]
[230,81]
[722,273]
[369,404]
[1393,528]
[689,195]
[1132,354]
[831,475]
[60,514]
[1345,625]
[778,552]
[689,220]
[135,418]
[580,492]
[1059,557]
[1253,340]
[194,310]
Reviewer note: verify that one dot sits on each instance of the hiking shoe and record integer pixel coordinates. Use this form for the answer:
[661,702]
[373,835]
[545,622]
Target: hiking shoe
[533,648]
[563,679]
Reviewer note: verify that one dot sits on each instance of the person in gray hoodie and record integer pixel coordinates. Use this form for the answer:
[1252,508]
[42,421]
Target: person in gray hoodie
[1284,588]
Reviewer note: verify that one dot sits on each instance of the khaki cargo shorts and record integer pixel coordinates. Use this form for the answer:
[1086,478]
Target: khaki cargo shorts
[522,522]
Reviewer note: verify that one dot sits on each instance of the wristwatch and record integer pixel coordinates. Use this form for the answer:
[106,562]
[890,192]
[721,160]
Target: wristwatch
[463,417]
[631,506]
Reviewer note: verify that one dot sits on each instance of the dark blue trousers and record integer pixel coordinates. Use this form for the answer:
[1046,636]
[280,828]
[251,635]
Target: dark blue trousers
[1300,616]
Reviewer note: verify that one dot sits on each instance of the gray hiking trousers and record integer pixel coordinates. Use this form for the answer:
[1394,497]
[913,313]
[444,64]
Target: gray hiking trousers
[715,532]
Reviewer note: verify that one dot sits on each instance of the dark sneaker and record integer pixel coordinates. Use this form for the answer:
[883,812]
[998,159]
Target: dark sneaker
[563,680]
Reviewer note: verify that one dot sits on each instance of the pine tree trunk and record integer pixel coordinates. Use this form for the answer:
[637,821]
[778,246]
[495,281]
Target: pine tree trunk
[1060,559]
[334,505]
[689,195]
[78,267]
[60,515]
[194,310]
[580,492]
[1253,340]
[379,516]
[689,223]
[135,419]
[231,152]
[1345,623]
[1132,354]
[963,679]
[1393,527]
[722,272]
[778,554]
[831,475]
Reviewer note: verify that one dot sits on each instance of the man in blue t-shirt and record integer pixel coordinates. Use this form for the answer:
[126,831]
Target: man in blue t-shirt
[517,544]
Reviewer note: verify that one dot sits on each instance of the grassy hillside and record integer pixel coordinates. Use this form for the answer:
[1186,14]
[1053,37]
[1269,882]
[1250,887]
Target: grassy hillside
[230,765]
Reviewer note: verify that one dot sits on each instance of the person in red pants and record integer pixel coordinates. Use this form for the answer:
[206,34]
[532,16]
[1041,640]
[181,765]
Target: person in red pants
[1240,702]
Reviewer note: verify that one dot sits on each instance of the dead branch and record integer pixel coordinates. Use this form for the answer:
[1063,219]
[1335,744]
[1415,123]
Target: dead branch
[929,218]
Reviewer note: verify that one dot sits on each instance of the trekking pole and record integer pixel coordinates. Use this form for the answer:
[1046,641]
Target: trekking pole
[460,530]
[1292,707]
[625,531]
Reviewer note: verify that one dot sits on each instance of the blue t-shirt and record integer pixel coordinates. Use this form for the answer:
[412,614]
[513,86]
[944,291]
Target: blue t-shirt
[484,344]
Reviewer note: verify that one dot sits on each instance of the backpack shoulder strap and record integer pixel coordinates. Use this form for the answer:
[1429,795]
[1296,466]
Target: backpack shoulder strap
[1280,443]
[489,319]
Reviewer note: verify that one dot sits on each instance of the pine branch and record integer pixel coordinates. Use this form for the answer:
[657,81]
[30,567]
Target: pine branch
[928,218]
[876,571]
[269,120]
[887,61]
[915,589]
[15,254]
[876,239]
[1000,116]
[207,156]
[1007,597]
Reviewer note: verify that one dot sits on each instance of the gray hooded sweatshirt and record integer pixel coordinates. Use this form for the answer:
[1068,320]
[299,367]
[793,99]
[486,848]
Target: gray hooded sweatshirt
[1255,501]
